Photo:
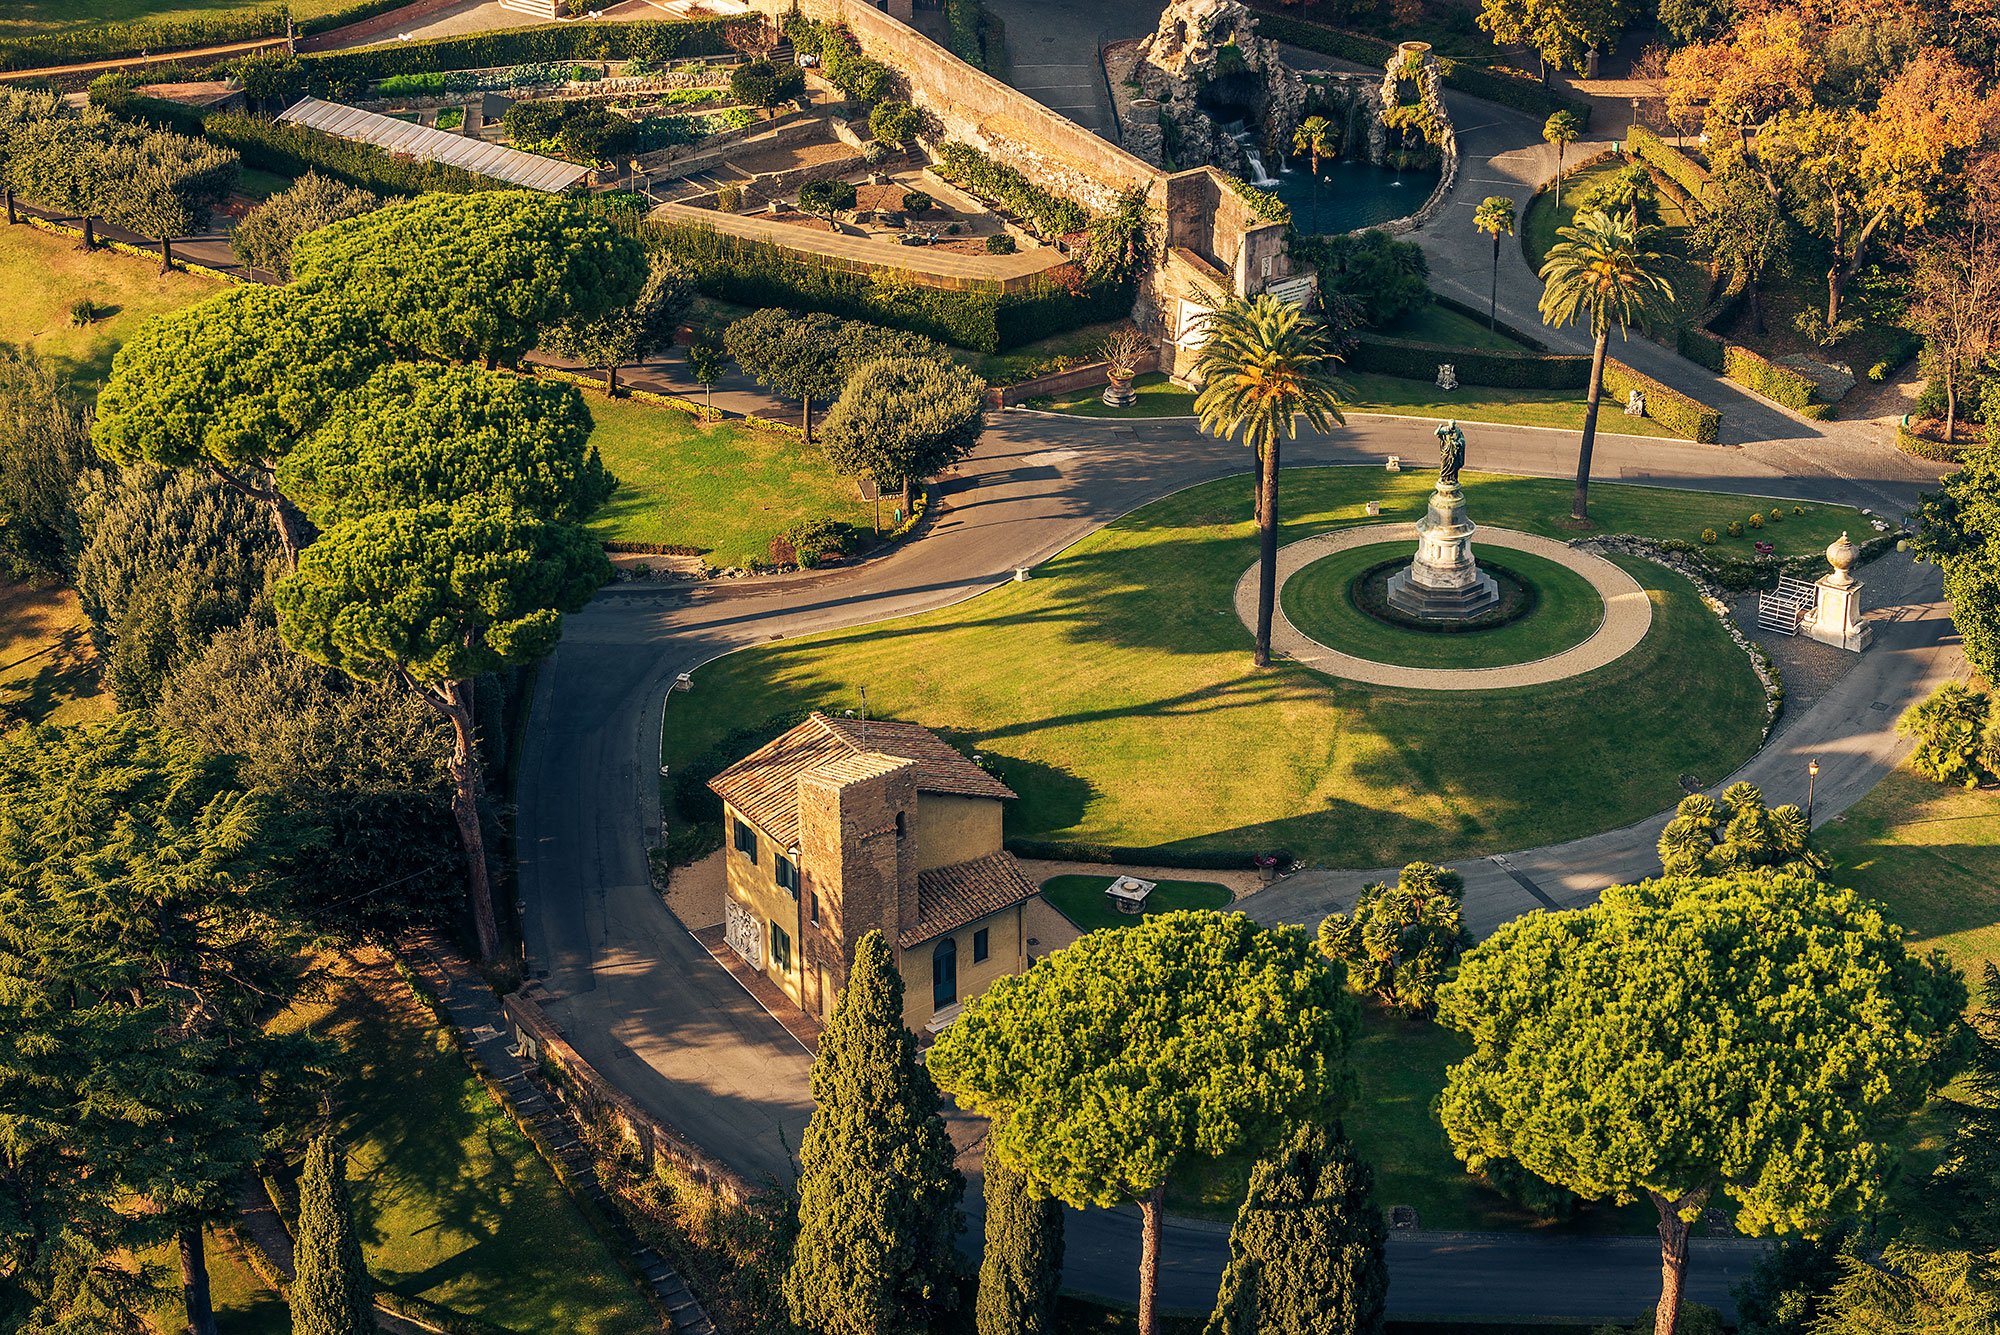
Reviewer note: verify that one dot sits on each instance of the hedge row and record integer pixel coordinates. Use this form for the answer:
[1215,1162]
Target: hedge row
[1051,850]
[1522,93]
[292,150]
[644,39]
[1778,383]
[1501,327]
[1262,203]
[109,41]
[1924,447]
[1501,370]
[1050,214]
[1687,417]
[1669,161]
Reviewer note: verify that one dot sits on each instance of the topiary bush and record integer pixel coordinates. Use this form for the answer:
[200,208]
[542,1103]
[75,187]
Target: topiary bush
[1777,515]
[1756,520]
[1709,536]
[1735,528]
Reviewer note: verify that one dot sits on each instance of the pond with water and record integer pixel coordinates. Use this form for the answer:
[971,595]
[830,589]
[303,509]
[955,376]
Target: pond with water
[1352,195]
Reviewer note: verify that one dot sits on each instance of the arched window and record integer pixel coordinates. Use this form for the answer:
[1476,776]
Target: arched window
[902,826]
[944,974]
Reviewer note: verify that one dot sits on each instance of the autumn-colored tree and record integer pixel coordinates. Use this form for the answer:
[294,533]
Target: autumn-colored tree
[1954,300]
[1769,62]
[1758,1035]
[1854,173]
[1559,32]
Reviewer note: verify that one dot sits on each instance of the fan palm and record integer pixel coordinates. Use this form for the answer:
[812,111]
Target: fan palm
[1264,365]
[1315,138]
[1600,271]
[1495,217]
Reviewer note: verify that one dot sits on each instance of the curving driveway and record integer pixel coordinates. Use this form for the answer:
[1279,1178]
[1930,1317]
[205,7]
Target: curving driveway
[644,1002]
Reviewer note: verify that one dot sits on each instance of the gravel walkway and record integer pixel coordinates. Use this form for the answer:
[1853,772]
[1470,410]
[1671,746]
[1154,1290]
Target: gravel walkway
[1628,615]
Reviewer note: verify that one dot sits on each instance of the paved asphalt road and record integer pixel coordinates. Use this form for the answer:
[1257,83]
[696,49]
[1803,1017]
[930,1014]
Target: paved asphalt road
[644,1002]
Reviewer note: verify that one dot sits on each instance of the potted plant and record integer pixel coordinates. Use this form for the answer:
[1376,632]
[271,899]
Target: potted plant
[1122,351]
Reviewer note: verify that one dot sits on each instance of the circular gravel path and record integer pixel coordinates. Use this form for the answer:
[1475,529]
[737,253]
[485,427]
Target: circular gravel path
[1628,615]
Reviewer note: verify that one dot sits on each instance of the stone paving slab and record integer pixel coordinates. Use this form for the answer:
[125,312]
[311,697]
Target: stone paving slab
[1628,615]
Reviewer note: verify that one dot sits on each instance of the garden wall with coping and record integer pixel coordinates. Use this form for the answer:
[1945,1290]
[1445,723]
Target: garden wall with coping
[1086,376]
[976,108]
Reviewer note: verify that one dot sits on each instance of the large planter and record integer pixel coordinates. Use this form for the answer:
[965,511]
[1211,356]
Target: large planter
[1118,390]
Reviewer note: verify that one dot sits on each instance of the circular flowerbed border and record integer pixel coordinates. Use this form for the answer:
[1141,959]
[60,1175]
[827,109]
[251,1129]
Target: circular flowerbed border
[1628,615]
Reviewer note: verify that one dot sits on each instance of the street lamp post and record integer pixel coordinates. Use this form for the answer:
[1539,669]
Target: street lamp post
[1812,778]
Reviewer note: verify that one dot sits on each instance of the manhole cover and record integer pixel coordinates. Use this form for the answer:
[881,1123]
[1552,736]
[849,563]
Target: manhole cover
[1880,707]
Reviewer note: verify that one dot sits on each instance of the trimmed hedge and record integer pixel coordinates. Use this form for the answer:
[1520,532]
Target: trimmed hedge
[1051,215]
[1522,94]
[1500,370]
[1780,384]
[759,273]
[1677,412]
[1500,327]
[1923,447]
[292,150]
[1669,161]
[109,41]
[1048,850]
[643,39]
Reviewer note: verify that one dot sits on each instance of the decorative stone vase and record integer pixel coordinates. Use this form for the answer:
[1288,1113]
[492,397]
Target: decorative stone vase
[1118,389]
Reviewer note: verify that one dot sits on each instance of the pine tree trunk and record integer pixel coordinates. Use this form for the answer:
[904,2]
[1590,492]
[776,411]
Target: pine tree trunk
[1267,541]
[1673,1257]
[1580,508]
[295,531]
[1153,1210]
[611,381]
[194,1282]
[455,702]
[166,255]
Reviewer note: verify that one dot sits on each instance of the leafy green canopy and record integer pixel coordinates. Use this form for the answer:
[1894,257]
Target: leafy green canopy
[266,235]
[1401,940]
[444,593]
[1190,1035]
[1958,528]
[465,277]
[418,435]
[808,356]
[1760,1033]
[232,382]
[142,940]
[1305,1256]
[878,1193]
[903,419]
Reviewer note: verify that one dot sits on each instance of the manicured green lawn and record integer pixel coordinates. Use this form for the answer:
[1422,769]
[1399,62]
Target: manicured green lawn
[454,1205]
[23,17]
[721,487]
[244,1304]
[1544,216]
[1438,324]
[1931,853]
[48,664]
[1117,681]
[1368,393]
[45,275]
[1040,357]
[1081,900]
[1318,602]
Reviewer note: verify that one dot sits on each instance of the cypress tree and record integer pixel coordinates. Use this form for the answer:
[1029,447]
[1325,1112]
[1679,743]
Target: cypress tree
[1305,1257]
[1022,1270]
[331,1293]
[878,1191]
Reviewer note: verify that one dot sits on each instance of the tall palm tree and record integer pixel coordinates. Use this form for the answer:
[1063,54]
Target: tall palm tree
[1264,365]
[1601,271]
[1315,138]
[1495,217]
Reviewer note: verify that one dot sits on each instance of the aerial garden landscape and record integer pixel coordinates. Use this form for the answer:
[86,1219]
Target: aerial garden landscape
[832,670]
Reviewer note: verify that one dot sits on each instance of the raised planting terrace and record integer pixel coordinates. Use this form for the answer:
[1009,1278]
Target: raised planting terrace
[1117,681]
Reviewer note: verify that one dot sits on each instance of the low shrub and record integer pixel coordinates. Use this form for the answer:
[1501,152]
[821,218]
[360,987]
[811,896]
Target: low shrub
[1756,520]
[1686,417]
[82,311]
[1927,447]
[1000,244]
[1676,166]
[1050,215]
[1500,370]
[293,150]
[1735,528]
[1777,515]
[1780,384]
[345,72]
[1709,536]
[433,83]
[1115,855]
[820,538]
[1262,202]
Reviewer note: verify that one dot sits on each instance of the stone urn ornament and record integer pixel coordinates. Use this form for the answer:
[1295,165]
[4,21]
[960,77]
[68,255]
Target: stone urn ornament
[1123,353]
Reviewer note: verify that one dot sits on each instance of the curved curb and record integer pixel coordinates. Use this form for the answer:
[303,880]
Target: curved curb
[1628,615]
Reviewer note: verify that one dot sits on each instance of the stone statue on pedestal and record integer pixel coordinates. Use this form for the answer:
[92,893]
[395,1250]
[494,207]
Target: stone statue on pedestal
[1444,583]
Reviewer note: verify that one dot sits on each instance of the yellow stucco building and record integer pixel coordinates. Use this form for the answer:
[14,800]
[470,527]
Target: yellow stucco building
[845,826]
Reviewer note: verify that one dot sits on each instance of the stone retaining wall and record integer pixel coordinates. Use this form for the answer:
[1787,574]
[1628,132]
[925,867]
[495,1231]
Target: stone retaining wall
[1062,382]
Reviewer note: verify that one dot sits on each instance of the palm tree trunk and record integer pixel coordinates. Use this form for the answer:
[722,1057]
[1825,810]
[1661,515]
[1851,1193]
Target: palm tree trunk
[1152,1210]
[1493,303]
[454,700]
[1267,542]
[1581,508]
[194,1282]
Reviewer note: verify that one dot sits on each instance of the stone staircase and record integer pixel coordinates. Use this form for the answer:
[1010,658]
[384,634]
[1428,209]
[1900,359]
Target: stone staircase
[475,1012]
[541,9]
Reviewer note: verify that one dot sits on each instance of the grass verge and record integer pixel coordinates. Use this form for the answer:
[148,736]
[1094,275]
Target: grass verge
[45,276]
[454,1206]
[722,487]
[1119,676]
[1081,900]
[48,664]
[1319,602]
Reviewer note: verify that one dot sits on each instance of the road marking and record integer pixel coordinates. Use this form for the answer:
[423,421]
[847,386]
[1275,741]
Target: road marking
[1524,882]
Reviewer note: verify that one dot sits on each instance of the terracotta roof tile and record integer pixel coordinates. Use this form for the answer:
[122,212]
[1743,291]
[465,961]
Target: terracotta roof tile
[950,897]
[764,786]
